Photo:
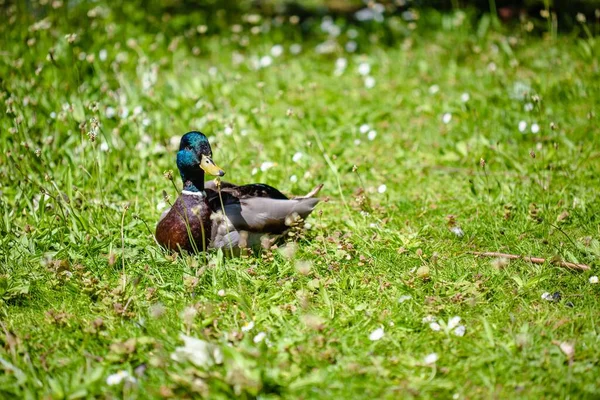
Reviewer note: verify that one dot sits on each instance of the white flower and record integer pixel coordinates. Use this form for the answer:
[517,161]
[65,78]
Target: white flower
[124,112]
[104,146]
[372,135]
[356,142]
[265,61]
[370,82]
[535,128]
[327,47]
[297,156]
[547,296]
[212,71]
[138,110]
[248,326]
[428,319]
[295,48]
[528,106]
[146,121]
[228,130]
[593,279]
[119,377]
[446,118]
[431,358]
[110,112]
[277,50]
[460,331]
[465,97]
[376,334]
[254,171]
[382,188]
[403,298]
[364,128]
[198,352]
[267,165]
[522,126]
[435,326]
[260,336]
[351,46]
[453,322]
[102,55]
[53,115]
[364,69]
[293,178]
[433,89]
[340,65]
[161,205]
[221,292]
[457,230]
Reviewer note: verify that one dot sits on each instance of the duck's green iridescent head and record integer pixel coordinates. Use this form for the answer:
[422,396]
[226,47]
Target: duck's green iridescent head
[195,157]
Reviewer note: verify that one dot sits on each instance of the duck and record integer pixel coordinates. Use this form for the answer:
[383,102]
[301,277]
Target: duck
[218,214]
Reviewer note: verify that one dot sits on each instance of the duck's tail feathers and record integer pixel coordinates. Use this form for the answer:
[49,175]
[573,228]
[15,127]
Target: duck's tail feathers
[310,194]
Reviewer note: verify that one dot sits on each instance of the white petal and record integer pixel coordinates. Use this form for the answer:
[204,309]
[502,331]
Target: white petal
[546,296]
[260,336]
[522,126]
[376,334]
[435,326]
[593,279]
[453,322]
[460,330]
[297,156]
[248,326]
[364,69]
[277,50]
[382,189]
[431,358]
[369,82]
[403,298]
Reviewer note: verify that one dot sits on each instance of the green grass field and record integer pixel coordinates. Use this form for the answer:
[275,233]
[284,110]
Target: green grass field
[434,138]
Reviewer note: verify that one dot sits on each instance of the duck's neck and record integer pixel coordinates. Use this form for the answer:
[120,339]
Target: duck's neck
[194,184]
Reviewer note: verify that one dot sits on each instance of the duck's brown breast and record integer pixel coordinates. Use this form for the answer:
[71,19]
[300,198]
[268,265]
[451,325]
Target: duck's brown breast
[186,226]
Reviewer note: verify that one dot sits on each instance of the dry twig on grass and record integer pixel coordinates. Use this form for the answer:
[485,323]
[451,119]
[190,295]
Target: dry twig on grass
[535,260]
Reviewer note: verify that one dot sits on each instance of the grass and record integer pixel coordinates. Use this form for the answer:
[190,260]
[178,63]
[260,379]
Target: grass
[85,292]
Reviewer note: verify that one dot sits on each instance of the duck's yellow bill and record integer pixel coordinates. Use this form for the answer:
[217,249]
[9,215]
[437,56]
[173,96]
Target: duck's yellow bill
[209,166]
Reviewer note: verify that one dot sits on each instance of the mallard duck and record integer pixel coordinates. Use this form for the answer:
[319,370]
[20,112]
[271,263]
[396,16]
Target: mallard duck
[207,216]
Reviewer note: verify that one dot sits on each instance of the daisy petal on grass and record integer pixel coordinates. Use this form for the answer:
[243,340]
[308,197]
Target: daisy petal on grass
[260,336]
[248,326]
[460,331]
[376,334]
[593,279]
[431,358]
[435,326]
[119,377]
[403,298]
[197,351]
[453,322]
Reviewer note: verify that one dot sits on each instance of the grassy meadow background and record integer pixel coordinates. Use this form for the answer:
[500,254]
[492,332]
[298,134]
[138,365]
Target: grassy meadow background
[435,134]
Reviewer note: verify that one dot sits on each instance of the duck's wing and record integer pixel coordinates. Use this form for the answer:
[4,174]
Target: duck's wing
[261,214]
